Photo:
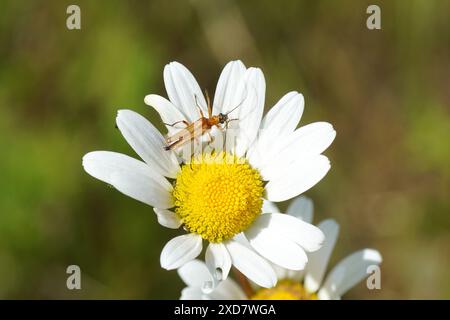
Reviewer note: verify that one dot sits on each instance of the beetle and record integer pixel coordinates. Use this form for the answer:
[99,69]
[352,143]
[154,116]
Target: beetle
[199,127]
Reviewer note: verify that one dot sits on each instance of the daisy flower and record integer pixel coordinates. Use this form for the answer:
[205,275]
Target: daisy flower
[307,284]
[218,196]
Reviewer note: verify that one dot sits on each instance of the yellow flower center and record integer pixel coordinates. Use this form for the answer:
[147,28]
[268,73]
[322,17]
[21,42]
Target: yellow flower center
[284,290]
[218,195]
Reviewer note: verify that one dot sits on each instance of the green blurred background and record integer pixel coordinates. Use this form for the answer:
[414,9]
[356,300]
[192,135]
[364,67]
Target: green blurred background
[385,91]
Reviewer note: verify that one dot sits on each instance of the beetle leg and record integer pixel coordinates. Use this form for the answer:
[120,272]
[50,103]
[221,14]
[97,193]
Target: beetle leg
[176,122]
[229,120]
[211,138]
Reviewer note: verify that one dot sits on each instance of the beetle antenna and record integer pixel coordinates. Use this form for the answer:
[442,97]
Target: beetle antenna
[207,97]
[235,107]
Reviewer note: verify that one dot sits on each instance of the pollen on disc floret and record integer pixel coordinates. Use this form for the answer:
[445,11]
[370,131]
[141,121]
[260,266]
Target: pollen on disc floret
[284,290]
[218,195]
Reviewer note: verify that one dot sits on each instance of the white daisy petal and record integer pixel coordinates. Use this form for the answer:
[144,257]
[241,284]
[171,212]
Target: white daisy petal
[180,250]
[218,260]
[313,138]
[295,275]
[302,208]
[297,178]
[184,91]
[265,147]
[306,235]
[100,164]
[318,261]
[192,293]
[169,114]
[285,115]
[142,188]
[240,132]
[348,273]
[276,248]
[195,274]
[251,110]
[277,125]
[240,237]
[251,264]
[269,207]
[228,94]
[303,143]
[148,143]
[228,290]
[280,271]
[167,218]
[130,176]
